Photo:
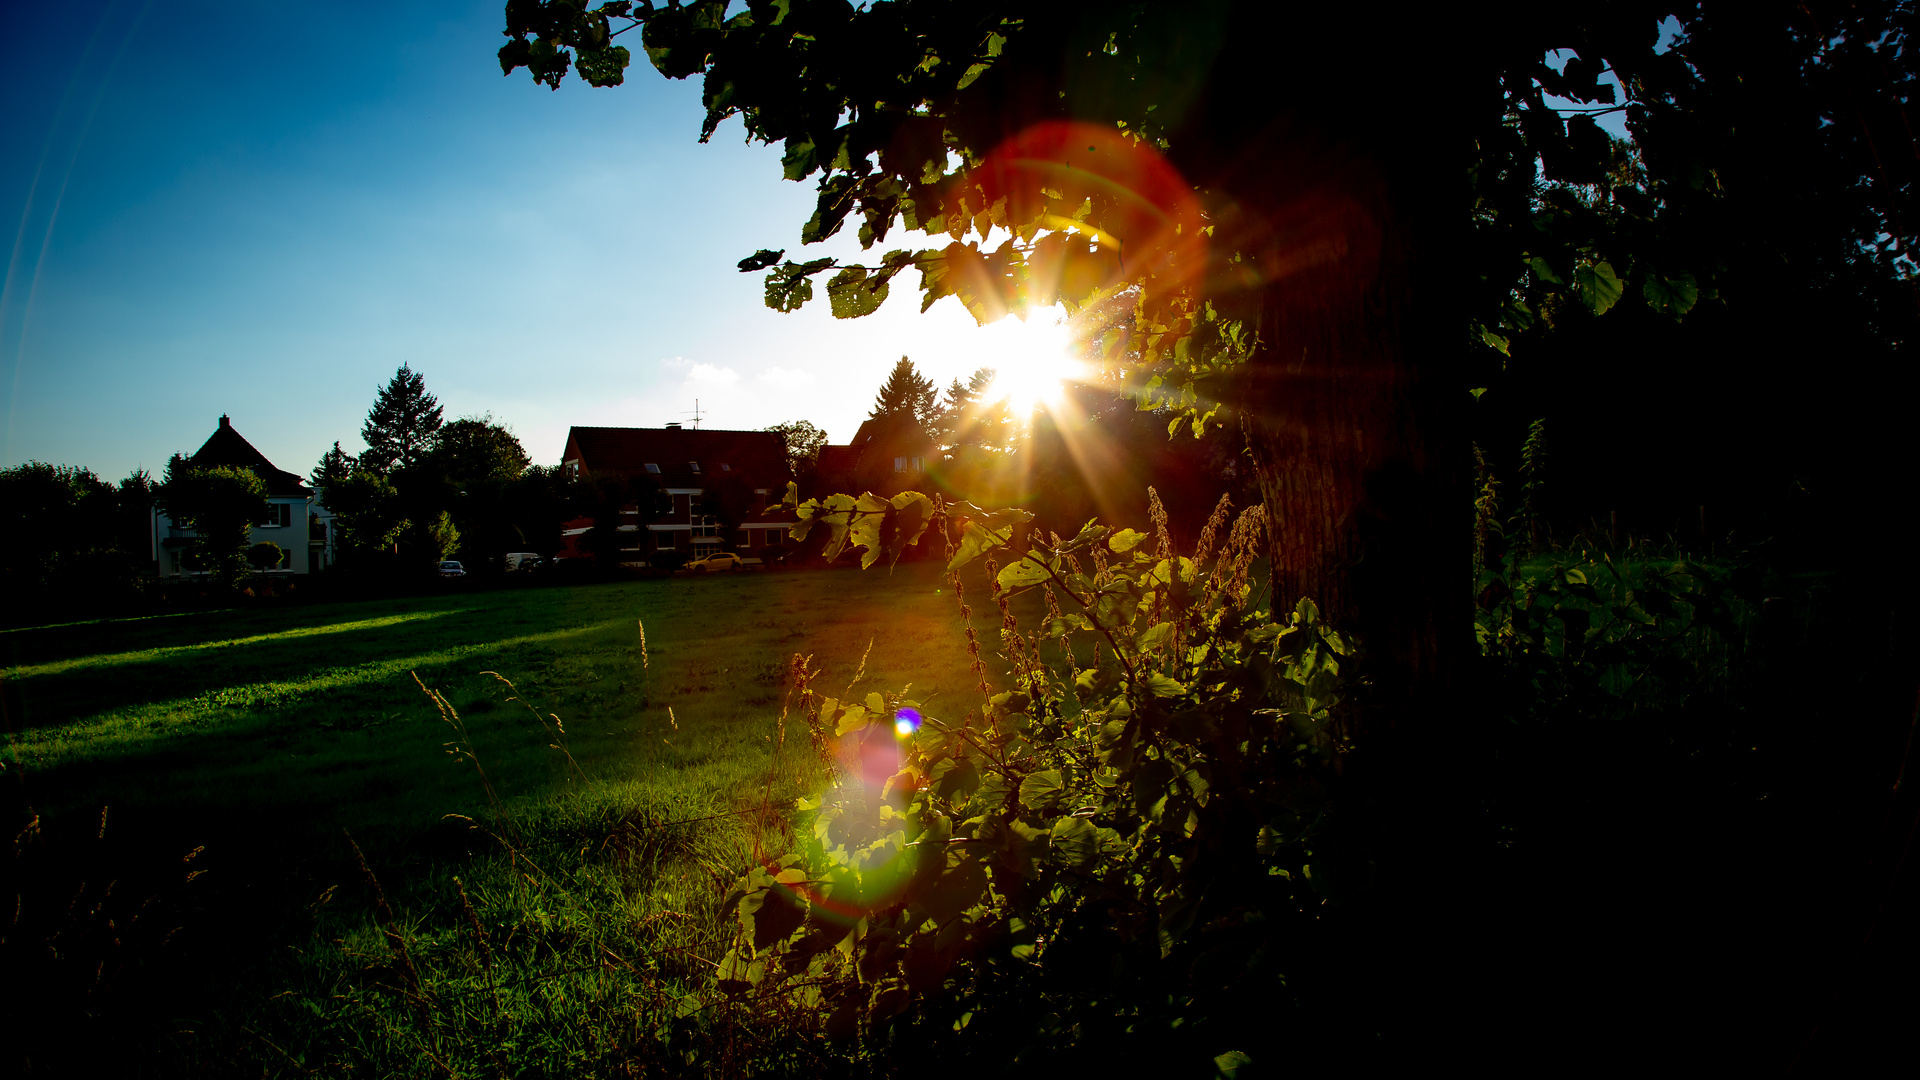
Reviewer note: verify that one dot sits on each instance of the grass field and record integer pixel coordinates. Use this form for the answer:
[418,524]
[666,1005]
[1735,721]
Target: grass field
[314,710]
[261,734]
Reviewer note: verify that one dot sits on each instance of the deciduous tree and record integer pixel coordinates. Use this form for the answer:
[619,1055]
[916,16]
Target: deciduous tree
[220,504]
[803,442]
[1325,221]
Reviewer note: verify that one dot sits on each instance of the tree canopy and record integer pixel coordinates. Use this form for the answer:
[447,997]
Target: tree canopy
[477,450]
[221,504]
[1327,222]
[803,441]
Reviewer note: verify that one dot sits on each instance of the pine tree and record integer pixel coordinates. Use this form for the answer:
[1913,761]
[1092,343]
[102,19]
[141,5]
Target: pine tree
[334,466]
[401,425]
[906,394]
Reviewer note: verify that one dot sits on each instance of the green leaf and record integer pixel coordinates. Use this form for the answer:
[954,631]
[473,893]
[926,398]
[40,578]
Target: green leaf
[1159,635]
[760,260]
[1161,686]
[1231,1062]
[854,717]
[954,780]
[1021,574]
[1599,287]
[976,541]
[1125,540]
[911,511]
[835,512]
[958,888]
[1494,341]
[1041,790]
[851,293]
[1076,842]
[1672,296]
[868,523]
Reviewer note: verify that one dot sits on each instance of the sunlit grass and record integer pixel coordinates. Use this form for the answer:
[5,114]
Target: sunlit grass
[170,652]
[314,709]
[264,733]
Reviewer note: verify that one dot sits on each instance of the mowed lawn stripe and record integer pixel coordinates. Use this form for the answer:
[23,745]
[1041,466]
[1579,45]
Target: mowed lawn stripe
[126,730]
[165,653]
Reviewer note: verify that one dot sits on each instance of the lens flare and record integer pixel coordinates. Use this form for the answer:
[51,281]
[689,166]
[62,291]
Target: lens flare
[906,722]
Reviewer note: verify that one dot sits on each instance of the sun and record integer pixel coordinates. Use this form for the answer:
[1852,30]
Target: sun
[1032,361]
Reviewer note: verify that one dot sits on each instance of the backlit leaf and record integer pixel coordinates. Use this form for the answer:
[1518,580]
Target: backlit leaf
[1599,287]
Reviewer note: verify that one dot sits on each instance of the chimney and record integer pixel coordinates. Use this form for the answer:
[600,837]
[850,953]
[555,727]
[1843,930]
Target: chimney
[671,426]
[223,420]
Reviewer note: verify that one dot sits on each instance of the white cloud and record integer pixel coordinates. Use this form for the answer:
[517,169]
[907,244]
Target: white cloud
[707,373]
[676,362]
[780,376]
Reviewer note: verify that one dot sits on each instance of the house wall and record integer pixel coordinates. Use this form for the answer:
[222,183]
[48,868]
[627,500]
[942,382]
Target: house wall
[304,556]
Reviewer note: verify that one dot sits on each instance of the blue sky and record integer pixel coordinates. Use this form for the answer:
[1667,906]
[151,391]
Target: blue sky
[263,210]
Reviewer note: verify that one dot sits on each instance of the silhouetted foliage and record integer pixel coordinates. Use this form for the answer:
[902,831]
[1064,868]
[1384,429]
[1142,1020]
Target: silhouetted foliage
[401,426]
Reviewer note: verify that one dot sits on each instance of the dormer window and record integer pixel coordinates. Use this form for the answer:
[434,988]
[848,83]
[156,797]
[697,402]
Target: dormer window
[724,467]
[653,468]
[694,465]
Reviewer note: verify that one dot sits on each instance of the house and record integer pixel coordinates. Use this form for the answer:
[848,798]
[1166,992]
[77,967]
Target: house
[694,490]
[295,520]
[887,456]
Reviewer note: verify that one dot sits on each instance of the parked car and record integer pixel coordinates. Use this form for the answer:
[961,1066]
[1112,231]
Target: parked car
[450,568]
[522,560]
[719,560]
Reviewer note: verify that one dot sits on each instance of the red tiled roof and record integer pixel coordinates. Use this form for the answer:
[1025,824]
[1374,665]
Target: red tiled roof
[837,461]
[759,457]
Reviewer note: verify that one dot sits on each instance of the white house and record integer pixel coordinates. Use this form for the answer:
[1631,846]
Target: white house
[295,520]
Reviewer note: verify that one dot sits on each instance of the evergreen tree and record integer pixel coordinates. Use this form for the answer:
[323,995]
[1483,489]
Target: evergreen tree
[401,426]
[906,394]
[334,466]
[968,419]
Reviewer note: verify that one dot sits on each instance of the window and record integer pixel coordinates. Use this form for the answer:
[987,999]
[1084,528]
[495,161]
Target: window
[664,540]
[653,468]
[694,465]
[724,467]
[909,464]
[703,526]
[279,516]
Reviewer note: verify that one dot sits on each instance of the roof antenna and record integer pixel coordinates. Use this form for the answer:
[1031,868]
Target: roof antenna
[695,412]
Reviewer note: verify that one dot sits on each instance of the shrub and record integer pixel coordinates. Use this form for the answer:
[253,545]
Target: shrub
[1113,844]
[265,556]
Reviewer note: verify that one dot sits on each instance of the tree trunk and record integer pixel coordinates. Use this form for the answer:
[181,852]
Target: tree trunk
[1352,427]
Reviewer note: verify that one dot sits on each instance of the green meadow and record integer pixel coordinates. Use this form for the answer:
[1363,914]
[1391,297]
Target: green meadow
[354,881]
[315,710]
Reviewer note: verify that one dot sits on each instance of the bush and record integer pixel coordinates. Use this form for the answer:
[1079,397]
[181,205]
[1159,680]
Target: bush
[265,555]
[669,560]
[1141,812]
